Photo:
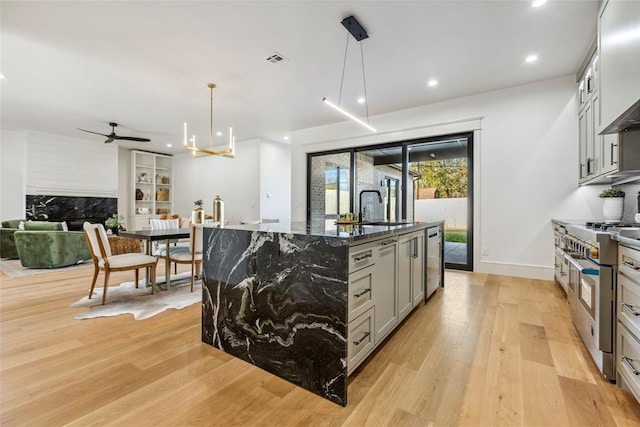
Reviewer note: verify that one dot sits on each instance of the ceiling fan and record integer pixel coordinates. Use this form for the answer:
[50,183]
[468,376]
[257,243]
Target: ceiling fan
[112,136]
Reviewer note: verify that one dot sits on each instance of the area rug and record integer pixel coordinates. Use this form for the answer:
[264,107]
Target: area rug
[13,268]
[127,299]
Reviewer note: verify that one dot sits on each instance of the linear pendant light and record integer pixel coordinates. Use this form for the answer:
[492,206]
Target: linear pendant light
[348,114]
[230,151]
[359,33]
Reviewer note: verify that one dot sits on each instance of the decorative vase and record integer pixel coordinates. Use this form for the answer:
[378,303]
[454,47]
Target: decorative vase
[197,216]
[218,211]
[612,208]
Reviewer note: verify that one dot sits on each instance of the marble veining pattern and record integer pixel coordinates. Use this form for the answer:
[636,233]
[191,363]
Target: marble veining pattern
[69,208]
[279,301]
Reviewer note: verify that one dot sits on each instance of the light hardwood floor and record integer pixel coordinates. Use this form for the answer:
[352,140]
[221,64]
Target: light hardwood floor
[486,350]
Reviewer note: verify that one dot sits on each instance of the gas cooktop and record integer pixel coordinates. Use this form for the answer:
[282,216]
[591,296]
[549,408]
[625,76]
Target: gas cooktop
[604,226]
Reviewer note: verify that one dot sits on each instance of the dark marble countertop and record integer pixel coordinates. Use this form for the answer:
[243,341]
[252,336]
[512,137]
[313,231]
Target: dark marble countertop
[328,228]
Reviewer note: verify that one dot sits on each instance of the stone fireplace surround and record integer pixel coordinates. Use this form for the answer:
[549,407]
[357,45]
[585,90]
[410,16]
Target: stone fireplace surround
[75,210]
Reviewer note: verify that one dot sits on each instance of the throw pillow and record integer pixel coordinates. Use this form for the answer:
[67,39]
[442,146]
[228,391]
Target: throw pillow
[42,226]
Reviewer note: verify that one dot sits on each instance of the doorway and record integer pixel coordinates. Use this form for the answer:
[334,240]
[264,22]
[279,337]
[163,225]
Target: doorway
[445,190]
[426,179]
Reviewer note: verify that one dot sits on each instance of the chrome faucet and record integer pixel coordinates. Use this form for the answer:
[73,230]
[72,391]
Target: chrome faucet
[360,205]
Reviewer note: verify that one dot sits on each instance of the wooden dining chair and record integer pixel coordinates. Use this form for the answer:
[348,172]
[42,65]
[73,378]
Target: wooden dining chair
[194,255]
[103,260]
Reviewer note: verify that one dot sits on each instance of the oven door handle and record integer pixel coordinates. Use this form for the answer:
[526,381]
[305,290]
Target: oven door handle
[628,361]
[580,267]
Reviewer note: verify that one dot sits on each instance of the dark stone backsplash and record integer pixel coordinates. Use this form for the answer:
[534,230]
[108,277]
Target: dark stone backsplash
[74,210]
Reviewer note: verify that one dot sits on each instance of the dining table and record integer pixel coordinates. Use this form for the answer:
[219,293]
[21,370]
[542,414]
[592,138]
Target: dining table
[150,236]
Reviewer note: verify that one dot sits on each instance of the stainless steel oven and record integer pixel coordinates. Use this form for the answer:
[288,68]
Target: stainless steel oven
[591,256]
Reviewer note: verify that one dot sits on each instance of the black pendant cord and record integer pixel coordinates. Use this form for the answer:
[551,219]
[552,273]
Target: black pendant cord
[344,65]
[364,81]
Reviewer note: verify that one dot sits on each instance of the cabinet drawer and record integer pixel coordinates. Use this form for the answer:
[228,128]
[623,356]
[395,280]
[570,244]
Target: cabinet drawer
[361,256]
[628,358]
[360,337]
[629,304]
[360,284]
[629,263]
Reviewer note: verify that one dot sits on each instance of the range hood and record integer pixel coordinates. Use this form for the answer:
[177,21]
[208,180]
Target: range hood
[629,120]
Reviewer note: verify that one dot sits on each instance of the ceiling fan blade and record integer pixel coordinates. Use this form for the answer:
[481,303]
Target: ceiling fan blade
[90,131]
[131,138]
[108,140]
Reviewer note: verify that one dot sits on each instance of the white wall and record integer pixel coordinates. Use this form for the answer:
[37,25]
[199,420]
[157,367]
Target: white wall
[41,163]
[525,166]
[453,211]
[275,181]
[13,167]
[236,180]
[64,166]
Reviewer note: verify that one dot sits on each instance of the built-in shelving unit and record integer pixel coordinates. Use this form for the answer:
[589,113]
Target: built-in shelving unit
[152,180]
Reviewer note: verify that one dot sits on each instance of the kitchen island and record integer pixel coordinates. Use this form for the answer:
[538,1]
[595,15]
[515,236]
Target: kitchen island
[309,302]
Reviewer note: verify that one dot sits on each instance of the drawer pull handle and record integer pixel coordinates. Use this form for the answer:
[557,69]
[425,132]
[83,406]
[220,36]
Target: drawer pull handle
[631,265]
[630,309]
[359,294]
[630,365]
[362,257]
[388,242]
[364,337]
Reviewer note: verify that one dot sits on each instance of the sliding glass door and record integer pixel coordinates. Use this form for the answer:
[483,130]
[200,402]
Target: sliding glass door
[427,179]
[329,192]
[444,191]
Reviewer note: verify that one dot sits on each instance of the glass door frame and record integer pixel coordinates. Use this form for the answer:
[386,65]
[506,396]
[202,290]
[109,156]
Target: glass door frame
[352,164]
[404,144]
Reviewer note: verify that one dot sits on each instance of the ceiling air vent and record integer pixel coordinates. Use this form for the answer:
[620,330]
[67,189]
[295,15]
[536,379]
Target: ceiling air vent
[276,58]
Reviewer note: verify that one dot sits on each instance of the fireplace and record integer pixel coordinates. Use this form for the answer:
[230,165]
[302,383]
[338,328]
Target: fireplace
[71,209]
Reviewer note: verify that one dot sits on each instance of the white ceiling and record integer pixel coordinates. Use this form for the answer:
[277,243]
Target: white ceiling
[146,65]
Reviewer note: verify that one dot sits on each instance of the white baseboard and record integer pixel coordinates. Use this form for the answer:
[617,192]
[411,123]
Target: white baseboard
[526,271]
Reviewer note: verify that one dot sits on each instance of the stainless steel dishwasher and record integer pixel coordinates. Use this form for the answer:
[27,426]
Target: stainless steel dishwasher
[434,261]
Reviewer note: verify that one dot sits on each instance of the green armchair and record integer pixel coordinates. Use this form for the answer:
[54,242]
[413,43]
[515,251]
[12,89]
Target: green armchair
[7,240]
[47,245]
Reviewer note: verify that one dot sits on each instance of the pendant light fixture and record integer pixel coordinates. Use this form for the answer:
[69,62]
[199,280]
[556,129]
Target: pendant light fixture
[202,152]
[358,32]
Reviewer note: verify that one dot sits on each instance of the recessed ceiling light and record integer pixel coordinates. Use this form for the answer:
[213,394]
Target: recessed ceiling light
[169,145]
[531,58]
[286,138]
[1,76]
[432,83]
[361,100]
[219,133]
[538,3]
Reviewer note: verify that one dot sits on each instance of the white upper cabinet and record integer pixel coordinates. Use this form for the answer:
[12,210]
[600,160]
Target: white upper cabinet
[619,52]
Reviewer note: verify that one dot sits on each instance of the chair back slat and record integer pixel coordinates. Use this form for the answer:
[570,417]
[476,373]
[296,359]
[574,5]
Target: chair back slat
[164,224]
[196,238]
[98,240]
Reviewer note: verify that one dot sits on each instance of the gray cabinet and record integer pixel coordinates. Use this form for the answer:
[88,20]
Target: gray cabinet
[588,142]
[619,52]
[410,272]
[386,281]
[405,271]
[628,316]
[384,287]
